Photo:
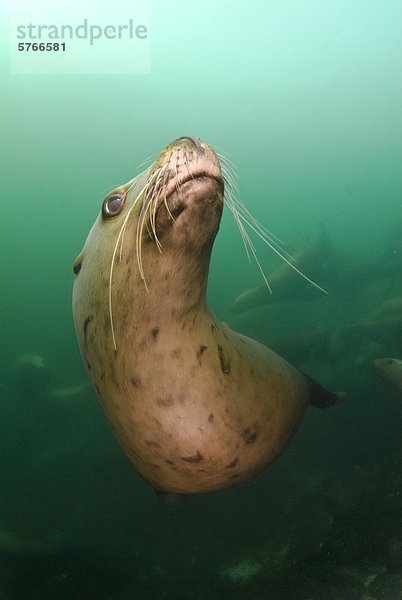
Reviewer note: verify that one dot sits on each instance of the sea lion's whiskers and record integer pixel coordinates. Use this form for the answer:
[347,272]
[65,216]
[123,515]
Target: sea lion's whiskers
[132,182]
[243,216]
[165,180]
[166,205]
[108,190]
[148,202]
[253,250]
[269,238]
[228,165]
[232,200]
[245,237]
[138,244]
[225,157]
[147,161]
[119,237]
[281,254]
[142,220]
[151,196]
[230,183]
[154,201]
[140,227]
[177,186]
[187,165]
[248,244]
[272,237]
[152,219]
[230,176]
[223,153]
[237,205]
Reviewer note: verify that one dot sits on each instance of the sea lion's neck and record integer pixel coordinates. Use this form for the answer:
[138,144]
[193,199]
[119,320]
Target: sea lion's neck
[176,289]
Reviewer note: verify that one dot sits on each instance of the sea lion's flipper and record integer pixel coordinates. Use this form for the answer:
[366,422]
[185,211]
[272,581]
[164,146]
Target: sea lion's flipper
[171,498]
[322,398]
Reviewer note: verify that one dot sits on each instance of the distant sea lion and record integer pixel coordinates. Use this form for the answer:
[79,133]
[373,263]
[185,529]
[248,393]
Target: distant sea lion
[31,375]
[390,369]
[285,282]
[196,407]
[389,308]
[387,330]
[69,393]
[316,260]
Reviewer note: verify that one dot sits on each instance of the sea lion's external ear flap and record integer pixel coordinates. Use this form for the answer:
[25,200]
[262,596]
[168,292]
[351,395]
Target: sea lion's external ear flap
[78,264]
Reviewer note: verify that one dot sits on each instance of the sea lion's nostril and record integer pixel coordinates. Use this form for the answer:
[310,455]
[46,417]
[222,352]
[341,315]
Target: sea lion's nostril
[196,141]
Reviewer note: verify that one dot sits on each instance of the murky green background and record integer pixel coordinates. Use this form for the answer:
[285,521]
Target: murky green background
[305,97]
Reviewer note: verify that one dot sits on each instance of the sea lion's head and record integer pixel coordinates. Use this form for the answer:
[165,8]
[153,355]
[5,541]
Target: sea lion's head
[178,200]
[387,366]
[390,369]
[154,235]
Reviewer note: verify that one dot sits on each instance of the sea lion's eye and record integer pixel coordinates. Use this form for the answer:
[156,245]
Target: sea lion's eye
[112,206]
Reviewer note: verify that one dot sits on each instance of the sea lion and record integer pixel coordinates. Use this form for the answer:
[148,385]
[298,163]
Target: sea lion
[389,308]
[196,406]
[390,369]
[315,259]
[387,330]
[69,393]
[31,375]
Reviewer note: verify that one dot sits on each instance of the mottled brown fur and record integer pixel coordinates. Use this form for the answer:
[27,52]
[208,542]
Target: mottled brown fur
[195,405]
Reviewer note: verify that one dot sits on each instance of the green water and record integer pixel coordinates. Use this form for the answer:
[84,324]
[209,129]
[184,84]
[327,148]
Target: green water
[305,97]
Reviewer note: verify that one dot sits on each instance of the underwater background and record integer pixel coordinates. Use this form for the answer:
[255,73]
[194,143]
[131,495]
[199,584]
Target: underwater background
[305,98]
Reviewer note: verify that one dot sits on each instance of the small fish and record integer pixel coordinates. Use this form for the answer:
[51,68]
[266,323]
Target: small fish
[390,370]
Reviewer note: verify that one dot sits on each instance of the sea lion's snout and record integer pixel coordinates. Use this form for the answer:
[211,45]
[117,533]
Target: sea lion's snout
[188,158]
[196,141]
[191,179]
[382,365]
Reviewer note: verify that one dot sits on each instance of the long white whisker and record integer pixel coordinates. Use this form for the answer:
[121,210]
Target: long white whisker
[239,207]
[259,266]
[271,236]
[230,176]
[133,182]
[283,257]
[147,161]
[243,216]
[264,233]
[243,232]
[119,237]
[229,168]
[248,244]
[153,204]
[140,226]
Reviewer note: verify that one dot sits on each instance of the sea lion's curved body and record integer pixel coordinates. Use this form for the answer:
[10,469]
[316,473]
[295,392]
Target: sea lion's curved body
[195,406]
